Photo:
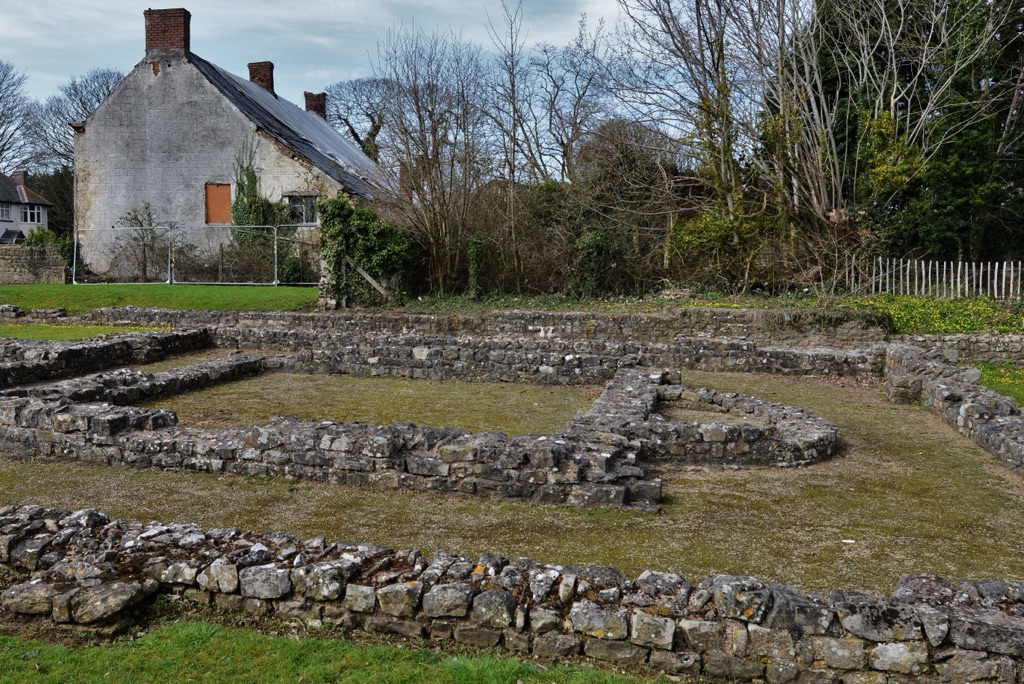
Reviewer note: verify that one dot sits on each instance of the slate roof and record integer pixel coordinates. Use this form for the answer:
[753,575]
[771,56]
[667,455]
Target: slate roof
[19,194]
[304,133]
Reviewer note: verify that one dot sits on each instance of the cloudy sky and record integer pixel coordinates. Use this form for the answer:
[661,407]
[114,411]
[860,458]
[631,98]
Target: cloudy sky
[312,43]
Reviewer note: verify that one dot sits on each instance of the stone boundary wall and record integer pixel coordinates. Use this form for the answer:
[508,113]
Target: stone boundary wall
[791,327]
[24,265]
[88,570]
[1006,348]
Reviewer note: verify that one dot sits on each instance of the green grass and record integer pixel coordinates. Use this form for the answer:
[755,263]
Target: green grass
[63,333]
[475,406]
[82,298]
[204,652]
[1005,378]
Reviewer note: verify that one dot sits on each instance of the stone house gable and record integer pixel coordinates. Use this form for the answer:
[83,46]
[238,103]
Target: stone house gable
[169,135]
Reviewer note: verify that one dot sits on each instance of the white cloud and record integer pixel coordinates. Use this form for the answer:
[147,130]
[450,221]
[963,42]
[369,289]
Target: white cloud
[312,44]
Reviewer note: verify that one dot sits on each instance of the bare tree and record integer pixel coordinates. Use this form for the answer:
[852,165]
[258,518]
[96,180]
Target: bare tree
[14,104]
[677,71]
[357,107]
[573,96]
[434,126]
[48,127]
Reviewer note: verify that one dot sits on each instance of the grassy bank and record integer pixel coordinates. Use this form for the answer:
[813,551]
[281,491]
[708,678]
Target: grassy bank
[81,298]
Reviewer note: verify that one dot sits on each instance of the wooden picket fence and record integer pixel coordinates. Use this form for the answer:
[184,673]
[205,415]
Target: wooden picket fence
[945,279]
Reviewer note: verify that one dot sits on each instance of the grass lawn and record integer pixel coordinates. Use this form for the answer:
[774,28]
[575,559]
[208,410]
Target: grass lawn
[475,406]
[82,298]
[193,651]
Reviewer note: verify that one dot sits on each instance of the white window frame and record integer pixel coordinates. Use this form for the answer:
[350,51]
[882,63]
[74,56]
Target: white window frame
[5,212]
[32,213]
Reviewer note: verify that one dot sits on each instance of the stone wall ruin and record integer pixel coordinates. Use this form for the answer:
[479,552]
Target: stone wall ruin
[88,570]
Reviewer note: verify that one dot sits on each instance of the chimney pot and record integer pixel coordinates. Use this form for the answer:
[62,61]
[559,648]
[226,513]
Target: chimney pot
[317,103]
[262,73]
[168,30]
[20,177]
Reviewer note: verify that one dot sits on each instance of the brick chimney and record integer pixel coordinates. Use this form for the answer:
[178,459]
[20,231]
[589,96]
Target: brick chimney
[20,177]
[317,103]
[168,30]
[262,73]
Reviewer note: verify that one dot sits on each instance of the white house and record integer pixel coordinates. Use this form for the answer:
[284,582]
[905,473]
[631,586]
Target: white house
[21,209]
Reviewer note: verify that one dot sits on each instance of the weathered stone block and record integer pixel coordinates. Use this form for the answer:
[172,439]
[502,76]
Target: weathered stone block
[494,608]
[265,582]
[615,651]
[905,657]
[651,631]
[475,635]
[842,654]
[29,599]
[102,602]
[409,629]
[675,662]
[400,600]
[719,664]
[360,598]
[589,618]
[987,630]
[448,600]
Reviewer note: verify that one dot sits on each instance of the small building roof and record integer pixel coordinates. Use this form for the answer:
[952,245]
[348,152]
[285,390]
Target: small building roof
[305,133]
[19,194]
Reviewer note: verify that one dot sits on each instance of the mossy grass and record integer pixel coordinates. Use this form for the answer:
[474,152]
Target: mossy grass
[909,495]
[62,333]
[82,298]
[514,409]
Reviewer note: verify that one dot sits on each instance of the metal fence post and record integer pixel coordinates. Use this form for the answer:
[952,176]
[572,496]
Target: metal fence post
[74,257]
[276,281]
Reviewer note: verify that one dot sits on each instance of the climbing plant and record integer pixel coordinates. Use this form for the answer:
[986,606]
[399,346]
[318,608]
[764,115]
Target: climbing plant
[383,251]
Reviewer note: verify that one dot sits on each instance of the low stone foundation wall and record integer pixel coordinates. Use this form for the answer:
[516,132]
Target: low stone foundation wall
[91,571]
[29,361]
[791,327]
[599,460]
[950,392]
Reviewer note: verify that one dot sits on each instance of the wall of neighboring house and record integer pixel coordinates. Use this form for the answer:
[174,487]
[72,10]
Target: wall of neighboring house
[160,138]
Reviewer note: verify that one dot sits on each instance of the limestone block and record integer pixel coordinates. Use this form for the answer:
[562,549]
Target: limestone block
[494,608]
[615,651]
[590,619]
[448,600]
[265,581]
[400,600]
[651,631]
[905,657]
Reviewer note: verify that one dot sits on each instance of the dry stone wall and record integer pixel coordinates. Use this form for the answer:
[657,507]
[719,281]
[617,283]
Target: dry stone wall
[91,571]
[20,264]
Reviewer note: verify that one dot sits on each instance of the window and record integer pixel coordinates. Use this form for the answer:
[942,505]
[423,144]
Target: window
[31,213]
[302,208]
[218,203]
[5,212]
